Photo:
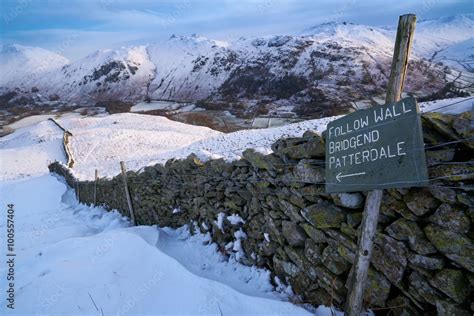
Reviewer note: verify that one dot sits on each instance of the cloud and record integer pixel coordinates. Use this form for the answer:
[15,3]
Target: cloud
[89,25]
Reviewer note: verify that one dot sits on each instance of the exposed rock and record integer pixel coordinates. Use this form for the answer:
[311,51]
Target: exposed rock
[272,227]
[445,195]
[421,289]
[452,283]
[311,146]
[294,234]
[292,211]
[452,172]
[456,247]
[283,268]
[319,297]
[420,201]
[316,146]
[451,219]
[297,256]
[391,206]
[323,215]
[349,231]
[462,124]
[378,288]
[261,161]
[346,253]
[401,306]
[332,260]
[331,283]
[309,171]
[312,251]
[354,219]
[441,123]
[338,238]
[402,228]
[405,230]
[466,199]
[437,156]
[389,257]
[315,234]
[348,200]
[448,308]
[429,263]
[298,201]
[312,192]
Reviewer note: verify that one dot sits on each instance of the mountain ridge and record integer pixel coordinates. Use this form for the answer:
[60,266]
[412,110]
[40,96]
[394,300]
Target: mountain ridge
[325,65]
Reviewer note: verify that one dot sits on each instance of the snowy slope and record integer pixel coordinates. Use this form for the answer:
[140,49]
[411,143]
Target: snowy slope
[459,55]
[29,150]
[23,65]
[118,74]
[184,67]
[81,260]
[101,143]
[432,36]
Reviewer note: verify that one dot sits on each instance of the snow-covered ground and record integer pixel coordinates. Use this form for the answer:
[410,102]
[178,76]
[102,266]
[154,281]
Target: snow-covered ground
[141,140]
[74,259]
[449,106]
[102,142]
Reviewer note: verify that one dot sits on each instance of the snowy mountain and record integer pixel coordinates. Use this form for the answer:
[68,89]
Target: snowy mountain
[23,65]
[318,71]
[104,74]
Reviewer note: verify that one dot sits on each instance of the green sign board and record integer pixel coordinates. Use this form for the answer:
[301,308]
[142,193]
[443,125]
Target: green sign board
[376,148]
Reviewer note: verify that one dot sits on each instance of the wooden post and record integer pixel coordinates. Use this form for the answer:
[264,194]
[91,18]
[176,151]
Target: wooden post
[95,186]
[76,190]
[127,193]
[355,297]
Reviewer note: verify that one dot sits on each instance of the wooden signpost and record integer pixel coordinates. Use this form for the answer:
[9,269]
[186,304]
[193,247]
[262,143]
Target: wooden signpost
[378,148]
[127,194]
[381,147]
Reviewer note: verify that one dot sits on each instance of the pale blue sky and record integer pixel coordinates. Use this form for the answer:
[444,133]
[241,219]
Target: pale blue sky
[75,28]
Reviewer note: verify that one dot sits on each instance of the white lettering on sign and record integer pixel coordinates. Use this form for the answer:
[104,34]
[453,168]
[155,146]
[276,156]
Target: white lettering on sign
[352,136]
[369,155]
[376,148]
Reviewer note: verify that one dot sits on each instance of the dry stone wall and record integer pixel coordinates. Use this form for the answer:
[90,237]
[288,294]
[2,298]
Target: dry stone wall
[271,211]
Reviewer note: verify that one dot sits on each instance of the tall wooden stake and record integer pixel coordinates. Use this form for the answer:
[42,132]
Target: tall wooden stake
[127,193]
[355,297]
[95,186]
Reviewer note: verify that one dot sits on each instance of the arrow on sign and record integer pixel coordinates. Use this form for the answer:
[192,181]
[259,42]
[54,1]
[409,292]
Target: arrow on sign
[340,175]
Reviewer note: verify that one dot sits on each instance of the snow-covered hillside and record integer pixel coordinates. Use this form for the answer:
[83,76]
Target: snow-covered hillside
[316,71]
[22,66]
[104,74]
[436,35]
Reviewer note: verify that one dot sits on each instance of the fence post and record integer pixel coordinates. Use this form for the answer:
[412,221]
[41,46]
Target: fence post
[127,193]
[78,196]
[355,296]
[95,186]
